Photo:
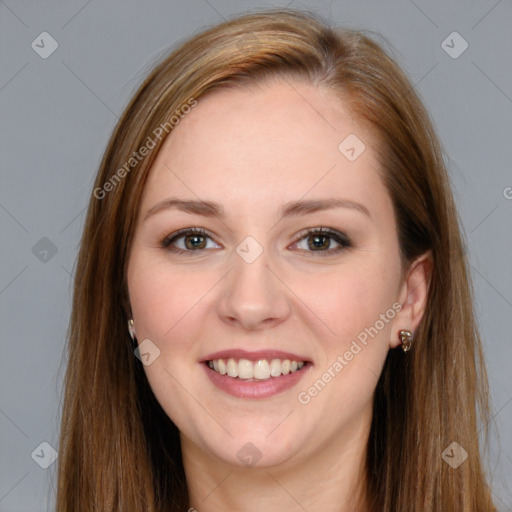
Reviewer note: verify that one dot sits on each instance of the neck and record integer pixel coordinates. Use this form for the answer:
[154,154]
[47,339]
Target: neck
[329,479]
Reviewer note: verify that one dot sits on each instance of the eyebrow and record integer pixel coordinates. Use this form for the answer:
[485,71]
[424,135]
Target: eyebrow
[293,208]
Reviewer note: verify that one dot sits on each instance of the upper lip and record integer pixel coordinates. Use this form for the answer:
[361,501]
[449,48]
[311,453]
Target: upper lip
[254,355]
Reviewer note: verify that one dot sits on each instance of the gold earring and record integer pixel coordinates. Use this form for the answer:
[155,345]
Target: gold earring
[406,339]
[131,329]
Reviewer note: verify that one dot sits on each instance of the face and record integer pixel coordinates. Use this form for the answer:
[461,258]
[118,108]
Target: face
[263,247]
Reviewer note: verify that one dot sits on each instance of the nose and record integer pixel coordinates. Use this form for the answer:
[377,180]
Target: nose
[253,296]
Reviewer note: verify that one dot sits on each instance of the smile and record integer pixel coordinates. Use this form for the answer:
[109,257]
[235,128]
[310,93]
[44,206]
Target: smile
[255,375]
[262,369]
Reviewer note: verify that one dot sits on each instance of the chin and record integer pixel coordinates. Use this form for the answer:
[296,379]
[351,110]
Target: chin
[258,450]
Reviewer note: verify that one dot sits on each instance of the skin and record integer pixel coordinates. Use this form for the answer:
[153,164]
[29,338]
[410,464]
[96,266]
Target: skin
[252,150]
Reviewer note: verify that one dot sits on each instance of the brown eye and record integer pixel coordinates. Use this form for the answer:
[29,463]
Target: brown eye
[187,241]
[194,241]
[320,240]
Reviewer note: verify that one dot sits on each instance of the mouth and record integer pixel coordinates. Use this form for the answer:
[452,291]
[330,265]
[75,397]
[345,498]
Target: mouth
[250,371]
[255,375]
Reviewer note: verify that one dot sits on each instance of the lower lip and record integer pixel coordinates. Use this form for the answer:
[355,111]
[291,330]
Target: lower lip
[255,389]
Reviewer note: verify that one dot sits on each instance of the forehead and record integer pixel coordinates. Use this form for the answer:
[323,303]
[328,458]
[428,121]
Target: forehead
[272,142]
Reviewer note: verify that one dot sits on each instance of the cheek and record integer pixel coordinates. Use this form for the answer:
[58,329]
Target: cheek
[357,306]
[163,301]
[161,295]
[352,300]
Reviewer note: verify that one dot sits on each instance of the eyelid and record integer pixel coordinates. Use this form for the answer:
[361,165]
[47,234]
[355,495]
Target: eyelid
[323,230]
[182,232]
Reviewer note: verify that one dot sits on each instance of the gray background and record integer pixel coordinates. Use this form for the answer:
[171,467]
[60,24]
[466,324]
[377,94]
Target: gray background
[58,113]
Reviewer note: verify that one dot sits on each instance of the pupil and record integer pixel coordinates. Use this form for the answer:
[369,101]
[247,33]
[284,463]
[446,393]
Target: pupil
[193,239]
[317,243]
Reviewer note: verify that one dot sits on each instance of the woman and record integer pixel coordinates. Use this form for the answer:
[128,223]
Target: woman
[272,306]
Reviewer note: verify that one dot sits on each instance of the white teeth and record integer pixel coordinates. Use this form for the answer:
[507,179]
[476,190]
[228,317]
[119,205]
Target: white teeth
[262,369]
[246,370]
[275,367]
[232,368]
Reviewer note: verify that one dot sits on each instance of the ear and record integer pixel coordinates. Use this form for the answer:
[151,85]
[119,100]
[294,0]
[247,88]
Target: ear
[125,300]
[413,296]
[125,304]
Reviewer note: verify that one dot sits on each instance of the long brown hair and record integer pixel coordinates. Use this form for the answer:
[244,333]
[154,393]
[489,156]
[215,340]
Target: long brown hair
[118,449]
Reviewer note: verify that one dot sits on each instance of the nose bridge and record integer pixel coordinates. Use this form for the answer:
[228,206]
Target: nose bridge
[252,294]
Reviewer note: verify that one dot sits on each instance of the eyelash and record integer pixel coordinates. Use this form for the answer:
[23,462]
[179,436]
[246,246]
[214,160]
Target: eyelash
[342,239]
